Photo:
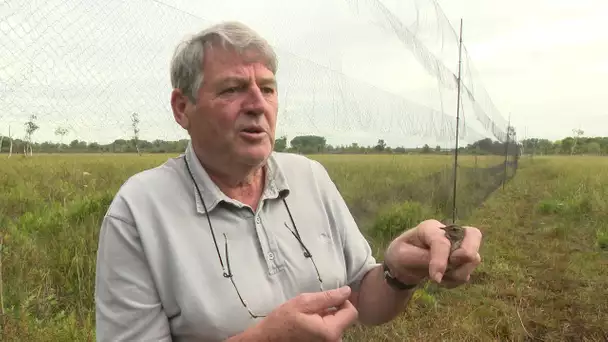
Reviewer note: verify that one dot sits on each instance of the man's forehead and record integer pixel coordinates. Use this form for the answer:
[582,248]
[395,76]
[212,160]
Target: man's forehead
[230,65]
[239,71]
[228,56]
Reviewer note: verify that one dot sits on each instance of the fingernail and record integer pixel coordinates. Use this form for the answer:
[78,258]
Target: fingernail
[344,290]
[438,276]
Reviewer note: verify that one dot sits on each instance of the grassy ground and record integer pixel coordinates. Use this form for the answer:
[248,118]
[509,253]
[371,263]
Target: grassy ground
[543,276]
[544,270]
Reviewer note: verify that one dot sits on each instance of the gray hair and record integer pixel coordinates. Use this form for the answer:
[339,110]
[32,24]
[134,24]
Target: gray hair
[187,62]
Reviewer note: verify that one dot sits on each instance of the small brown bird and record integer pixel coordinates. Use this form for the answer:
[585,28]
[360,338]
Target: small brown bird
[455,234]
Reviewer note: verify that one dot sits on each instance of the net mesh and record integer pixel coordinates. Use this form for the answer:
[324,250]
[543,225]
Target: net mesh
[349,70]
[352,71]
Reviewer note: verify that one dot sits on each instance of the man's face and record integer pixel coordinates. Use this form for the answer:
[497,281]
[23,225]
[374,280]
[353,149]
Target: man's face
[235,114]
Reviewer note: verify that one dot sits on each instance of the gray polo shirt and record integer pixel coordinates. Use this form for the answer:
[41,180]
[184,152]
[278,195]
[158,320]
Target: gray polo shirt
[159,276]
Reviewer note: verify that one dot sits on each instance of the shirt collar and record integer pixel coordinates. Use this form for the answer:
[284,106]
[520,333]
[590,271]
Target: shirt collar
[275,185]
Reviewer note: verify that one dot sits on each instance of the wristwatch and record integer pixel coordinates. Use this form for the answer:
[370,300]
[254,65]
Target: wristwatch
[394,282]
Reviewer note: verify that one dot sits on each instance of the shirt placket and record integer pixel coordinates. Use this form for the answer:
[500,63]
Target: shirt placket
[266,237]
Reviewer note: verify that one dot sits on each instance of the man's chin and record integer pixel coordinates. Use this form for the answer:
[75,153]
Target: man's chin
[255,155]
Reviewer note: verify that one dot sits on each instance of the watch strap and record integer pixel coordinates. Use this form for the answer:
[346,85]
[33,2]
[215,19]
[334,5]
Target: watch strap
[394,282]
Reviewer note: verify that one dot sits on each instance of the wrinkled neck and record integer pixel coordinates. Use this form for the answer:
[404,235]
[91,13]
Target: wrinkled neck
[238,181]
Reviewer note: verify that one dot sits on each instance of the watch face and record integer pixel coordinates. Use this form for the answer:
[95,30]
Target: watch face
[386,270]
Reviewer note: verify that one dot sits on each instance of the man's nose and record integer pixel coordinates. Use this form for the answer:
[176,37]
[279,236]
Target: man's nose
[255,101]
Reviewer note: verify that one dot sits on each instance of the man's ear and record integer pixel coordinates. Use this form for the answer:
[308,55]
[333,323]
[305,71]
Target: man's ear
[179,104]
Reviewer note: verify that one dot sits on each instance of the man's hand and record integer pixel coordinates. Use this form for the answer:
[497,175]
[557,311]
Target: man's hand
[424,251]
[322,316]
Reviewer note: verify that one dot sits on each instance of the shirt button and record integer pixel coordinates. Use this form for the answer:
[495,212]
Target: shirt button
[257,220]
[271,256]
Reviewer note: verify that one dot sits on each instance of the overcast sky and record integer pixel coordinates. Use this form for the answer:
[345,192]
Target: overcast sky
[545,61]
[352,70]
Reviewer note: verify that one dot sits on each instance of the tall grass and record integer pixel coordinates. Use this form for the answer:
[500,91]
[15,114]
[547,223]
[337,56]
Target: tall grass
[51,208]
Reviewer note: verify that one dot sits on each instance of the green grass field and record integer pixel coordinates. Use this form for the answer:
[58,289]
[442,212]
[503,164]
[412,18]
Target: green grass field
[545,258]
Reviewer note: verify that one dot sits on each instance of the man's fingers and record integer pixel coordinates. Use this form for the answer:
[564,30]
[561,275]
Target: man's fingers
[413,257]
[408,263]
[461,274]
[469,248]
[318,302]
[412,235]
[439,246]
[340,320]
[463,256]
[472,240]
[427,247]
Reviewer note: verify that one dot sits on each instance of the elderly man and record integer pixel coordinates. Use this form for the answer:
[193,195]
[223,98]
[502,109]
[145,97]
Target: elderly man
[232,241]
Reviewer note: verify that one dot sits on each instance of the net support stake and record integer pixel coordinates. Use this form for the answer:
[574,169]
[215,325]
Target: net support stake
[504,178]
[457,126]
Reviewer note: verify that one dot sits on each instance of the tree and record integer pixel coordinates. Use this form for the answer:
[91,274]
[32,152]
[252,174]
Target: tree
[135,125]
[567,145]
[593,147]
[380,146]
[577,133]
[61,131]
[280,144]
[94,147]
[30,128]
[308,143]
[544,146]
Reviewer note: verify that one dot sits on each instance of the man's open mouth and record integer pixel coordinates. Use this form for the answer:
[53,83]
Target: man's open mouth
[253,133]
[253,130]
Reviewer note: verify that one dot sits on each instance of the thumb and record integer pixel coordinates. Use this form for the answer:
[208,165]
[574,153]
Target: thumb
[319,301]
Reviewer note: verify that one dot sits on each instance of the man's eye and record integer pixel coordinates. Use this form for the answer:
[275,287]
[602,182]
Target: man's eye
[268,90]
[229,90]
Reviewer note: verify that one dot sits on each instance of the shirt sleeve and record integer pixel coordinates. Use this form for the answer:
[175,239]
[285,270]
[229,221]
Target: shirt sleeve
[127,305]
[358,255]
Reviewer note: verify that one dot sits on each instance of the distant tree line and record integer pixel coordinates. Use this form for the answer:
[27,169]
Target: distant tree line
[305,144]
[569,145]
[311,144]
